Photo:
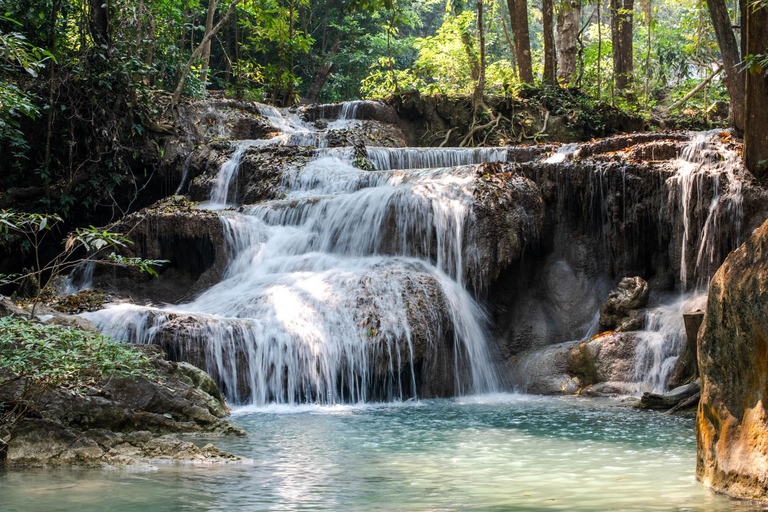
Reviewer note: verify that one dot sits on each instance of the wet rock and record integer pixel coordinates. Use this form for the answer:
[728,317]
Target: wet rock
[191,240]
[122,422]
[686,366]
[48,443]
[732,424]
[679,397]
[632,294]
[369,133]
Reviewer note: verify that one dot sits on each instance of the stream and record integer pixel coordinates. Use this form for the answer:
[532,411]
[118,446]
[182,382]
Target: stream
[483,453]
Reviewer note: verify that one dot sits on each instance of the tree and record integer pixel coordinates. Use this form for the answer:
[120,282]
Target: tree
[567,33]
[756,104]
[199,50]
[621,38]
[550,59]
[518,14]
[729,49]
[207,46]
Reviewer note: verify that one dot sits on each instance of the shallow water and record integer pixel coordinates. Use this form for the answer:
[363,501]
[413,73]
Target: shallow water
[491,453]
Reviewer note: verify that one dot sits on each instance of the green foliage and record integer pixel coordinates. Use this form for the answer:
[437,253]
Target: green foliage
[54,356]
[82,246]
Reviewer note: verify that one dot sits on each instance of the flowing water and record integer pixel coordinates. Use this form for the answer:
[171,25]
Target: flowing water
[486,453]
[320,284]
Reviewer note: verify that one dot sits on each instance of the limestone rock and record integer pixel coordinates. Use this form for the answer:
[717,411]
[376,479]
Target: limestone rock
[567,368]
[631,295]
[732,425]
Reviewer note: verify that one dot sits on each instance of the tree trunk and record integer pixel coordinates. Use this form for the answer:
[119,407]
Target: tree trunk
[319,79]
[550,58]
[508,38]
[756,106]
[207,47]
[621,37]
[477,98]
[100,22]
[518,14]
[198,51]
[567,34]
[729,50]
[474,66]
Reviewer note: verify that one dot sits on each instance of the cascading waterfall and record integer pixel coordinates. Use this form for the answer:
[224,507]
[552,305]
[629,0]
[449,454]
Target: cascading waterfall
[423,158]
[320,301]
[705,161]
[659,345]
[227,173]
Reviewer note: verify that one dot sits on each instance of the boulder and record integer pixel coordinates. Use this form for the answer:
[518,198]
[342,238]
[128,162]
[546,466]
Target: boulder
[48,443]
[607,360]
[678,398]
[631,295]
[732,425]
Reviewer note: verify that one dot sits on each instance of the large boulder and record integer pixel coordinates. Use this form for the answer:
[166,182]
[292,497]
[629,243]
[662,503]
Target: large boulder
[574,367]
[732,426]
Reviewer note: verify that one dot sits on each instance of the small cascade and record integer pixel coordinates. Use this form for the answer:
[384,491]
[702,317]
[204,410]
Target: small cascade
[292,130]
[185,177]
[706,182]
[225,177]
[563,154]
[431,158]
[662,341]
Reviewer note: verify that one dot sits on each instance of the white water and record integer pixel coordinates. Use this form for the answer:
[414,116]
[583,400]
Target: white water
[705,160]
[423,158]
[661,342]
[228,173]
[326,288]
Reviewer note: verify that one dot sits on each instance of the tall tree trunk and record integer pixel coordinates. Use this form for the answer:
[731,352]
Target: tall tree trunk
[567,34]
[474,66]
[199,51]
[599,47]
[729,50]
[621,37]
[207,46]
[323,71]
[477,97]
[550,57]
[100,22]
[756,106]
[518,14]
[508,38]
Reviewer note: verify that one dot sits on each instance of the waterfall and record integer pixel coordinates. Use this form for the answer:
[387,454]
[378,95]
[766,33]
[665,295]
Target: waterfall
[349,289]
[662,341]
[184,184]
[423,158]
[227,173]
[702,165]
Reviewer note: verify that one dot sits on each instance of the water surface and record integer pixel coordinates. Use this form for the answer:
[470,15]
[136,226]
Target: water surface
[490,453]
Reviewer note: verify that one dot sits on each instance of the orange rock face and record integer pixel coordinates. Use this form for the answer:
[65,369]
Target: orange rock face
[732,424]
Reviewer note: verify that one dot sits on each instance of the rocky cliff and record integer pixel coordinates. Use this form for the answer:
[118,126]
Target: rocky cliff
[732,426]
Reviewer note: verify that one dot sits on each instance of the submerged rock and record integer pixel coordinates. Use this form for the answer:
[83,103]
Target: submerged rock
[681,397]
[732,425]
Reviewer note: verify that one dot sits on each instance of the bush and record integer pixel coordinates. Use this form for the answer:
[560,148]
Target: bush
[36,358]
[55,356]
